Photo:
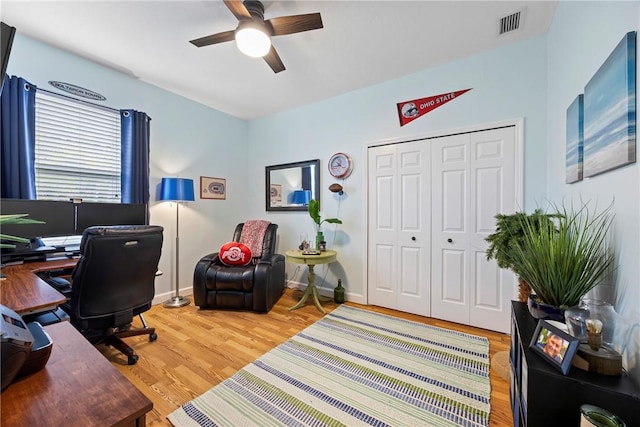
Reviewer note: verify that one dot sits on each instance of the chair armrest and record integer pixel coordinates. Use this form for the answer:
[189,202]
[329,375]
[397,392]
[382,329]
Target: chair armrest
[59,283]
[203,265]
[268,282]
[271,259]
[209,258]
[200,277]
[264,267]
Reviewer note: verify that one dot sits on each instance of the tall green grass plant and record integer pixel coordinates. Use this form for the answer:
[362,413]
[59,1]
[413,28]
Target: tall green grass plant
[564,259]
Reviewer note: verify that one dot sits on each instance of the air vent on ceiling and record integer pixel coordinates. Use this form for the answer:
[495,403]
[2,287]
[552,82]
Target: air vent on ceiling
[510,23]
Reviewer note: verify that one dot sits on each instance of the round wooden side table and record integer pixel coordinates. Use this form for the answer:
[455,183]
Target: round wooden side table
[297,257]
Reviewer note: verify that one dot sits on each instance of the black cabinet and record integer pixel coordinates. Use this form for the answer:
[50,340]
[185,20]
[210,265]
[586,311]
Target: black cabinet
[542,396]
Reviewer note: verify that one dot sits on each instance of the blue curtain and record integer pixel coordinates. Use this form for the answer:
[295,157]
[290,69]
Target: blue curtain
[18,138]
[135,129]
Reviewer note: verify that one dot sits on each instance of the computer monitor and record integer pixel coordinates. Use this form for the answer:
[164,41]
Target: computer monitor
[59,218]
[90,214]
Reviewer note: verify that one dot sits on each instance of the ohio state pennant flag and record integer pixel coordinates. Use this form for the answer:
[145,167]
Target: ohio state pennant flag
[408,111]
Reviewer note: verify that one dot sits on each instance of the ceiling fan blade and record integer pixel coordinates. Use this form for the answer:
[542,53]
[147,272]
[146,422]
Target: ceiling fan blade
[294,24]
[225,36]
[238,9]
[273,59]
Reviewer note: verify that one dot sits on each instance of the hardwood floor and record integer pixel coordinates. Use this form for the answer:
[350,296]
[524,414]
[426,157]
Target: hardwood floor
[197,349]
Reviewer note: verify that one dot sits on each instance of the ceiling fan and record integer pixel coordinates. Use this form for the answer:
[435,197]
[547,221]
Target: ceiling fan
[257,31]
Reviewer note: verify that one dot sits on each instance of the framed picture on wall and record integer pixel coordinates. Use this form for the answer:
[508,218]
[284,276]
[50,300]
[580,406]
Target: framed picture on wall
[555,346]
[575,140]
[275,194]
[213,188]
[610,111]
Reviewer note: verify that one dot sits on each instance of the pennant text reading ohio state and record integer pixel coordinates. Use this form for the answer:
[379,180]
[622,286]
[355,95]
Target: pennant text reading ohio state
[411,110]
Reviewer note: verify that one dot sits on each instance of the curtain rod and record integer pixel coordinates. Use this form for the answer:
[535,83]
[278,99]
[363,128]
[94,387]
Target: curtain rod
[78,100]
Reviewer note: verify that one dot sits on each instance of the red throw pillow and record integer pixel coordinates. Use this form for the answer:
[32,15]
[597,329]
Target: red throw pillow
[234,253]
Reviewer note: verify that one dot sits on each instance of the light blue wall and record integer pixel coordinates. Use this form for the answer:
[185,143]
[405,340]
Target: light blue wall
[187,140]
[535,80]
[507,83]
[582,36]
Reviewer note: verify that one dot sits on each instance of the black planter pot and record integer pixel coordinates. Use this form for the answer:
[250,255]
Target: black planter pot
[540,310]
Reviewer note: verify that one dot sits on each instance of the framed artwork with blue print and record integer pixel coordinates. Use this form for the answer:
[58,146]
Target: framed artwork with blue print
[575,140]
[610,111]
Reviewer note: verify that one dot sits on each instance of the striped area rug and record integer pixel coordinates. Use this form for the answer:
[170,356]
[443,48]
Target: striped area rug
[355,367]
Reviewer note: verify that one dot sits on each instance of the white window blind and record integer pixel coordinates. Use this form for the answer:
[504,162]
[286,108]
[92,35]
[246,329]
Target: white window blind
[77,150]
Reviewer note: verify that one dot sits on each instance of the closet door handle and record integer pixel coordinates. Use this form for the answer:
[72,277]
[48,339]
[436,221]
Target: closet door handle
[413,238]
[450,240]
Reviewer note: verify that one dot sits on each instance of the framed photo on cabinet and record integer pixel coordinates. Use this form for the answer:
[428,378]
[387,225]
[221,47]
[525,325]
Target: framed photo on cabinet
[555,346]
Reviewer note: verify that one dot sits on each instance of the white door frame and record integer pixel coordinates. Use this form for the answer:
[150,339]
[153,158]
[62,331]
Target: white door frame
[519,173]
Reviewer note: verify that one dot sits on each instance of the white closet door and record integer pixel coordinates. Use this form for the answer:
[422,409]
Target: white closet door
[382,269]
[473,177]
[450,232]
[414,233]
[494,190]
[399,227]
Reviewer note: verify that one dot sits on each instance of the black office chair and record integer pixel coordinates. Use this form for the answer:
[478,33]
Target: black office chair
[113,282]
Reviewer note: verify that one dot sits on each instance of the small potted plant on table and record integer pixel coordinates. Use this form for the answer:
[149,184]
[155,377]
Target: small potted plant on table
[314,213]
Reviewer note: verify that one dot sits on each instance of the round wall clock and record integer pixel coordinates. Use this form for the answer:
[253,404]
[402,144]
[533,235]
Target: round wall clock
[340,165]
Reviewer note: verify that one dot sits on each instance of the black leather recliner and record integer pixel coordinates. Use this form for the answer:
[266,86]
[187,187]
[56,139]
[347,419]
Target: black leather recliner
[113,281]
[256,286]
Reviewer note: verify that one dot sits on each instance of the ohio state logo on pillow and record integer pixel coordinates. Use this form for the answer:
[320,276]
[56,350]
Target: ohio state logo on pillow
[234,253]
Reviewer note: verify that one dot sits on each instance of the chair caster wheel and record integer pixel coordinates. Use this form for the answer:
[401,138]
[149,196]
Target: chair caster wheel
[131,360]
[153,337]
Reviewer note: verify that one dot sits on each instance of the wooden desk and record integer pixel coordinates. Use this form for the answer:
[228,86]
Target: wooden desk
[77,387]
[25,293]
[297,257]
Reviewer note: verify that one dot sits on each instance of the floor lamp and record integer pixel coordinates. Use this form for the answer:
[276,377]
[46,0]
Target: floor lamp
[177,190]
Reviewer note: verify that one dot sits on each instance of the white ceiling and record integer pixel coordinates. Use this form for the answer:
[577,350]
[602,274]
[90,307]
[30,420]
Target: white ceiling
[362,43]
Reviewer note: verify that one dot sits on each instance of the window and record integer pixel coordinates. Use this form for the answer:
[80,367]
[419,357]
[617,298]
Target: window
[77,150]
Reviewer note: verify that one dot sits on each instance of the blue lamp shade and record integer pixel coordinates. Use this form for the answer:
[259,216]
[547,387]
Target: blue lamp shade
[177,189]
[301,197]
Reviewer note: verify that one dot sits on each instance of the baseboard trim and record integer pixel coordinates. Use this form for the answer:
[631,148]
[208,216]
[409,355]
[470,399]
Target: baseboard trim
[161,298]
[291,284]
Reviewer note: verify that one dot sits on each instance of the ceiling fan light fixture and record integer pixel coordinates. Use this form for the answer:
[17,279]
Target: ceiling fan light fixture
[252,40]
